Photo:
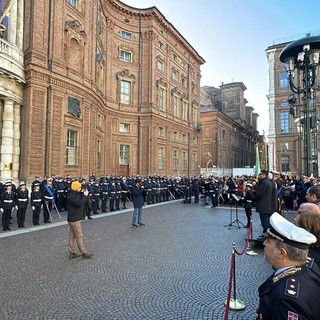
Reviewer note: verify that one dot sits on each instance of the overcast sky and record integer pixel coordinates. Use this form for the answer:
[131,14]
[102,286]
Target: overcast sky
[232,36]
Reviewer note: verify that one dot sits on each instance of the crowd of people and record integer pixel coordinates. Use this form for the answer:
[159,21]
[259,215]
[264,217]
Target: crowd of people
[293,249]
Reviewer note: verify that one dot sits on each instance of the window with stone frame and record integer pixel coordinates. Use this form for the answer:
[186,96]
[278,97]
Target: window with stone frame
[184,111]
[161,158]
[124,154]
[175,160]
[283,80]
[74,3]
[72,148]
[126,35]
[176,106]
[284,122]
[125,56]
[195,161]
[285,163]
[124,127]
[125,95]
[162,99]
[184,161]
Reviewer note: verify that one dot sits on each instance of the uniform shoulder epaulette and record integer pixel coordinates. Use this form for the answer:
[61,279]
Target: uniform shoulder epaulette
[292,288]
[309,262]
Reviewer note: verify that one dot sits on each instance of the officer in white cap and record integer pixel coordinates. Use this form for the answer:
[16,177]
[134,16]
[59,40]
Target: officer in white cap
[293,290]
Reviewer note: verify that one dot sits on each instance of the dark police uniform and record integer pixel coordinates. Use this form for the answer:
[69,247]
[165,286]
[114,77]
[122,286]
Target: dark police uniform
[7,203]
[22,200]
[292,294]
[36,203]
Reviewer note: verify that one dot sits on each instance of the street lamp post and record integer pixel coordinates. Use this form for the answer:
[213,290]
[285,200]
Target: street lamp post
[302,59]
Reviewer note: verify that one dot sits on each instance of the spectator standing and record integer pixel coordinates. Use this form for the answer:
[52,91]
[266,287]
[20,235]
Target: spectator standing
[76,202]
[137,200]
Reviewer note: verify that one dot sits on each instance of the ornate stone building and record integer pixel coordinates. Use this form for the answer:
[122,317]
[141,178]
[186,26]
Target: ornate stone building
[229,127]
[286,141]
[110,89]
[12,79]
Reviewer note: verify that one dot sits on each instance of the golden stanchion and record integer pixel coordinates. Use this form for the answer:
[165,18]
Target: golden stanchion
[235,304]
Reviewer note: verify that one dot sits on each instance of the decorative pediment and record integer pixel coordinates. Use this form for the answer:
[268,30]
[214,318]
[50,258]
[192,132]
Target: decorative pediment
[161,82]
[76,30]
[175,91]
[184,96]
[194,103]
[150,35]
[125,74]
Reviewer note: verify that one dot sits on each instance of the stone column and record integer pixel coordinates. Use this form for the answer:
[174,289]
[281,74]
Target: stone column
[16,142]
[12,25]
[1,118]
[6,149]
[20,24]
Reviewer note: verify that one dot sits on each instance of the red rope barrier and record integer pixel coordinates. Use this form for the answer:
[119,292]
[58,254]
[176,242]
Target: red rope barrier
[247,241]
[230,286]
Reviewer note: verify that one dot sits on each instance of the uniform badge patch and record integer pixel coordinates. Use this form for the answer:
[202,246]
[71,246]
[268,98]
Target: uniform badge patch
[292,316]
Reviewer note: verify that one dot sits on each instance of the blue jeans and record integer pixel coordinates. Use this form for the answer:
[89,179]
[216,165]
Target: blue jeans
[137,212]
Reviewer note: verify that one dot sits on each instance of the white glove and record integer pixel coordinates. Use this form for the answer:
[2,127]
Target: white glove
[41,206]
[16,207]
[1,209]
[33,207]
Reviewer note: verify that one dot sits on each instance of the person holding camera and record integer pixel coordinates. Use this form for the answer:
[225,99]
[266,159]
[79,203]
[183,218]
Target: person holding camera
[137,200]
[76,202]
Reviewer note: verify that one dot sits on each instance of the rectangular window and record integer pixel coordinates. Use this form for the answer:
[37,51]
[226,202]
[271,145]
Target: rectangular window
[124,127]
[73,3]
[175,160]
[125,56]
[161,132]
[184,161]
[283,80]
[174,75]
[176,106]
[175,135]
[184,111]
[160,65]
[71,149]
[195,114]
[125,92]
[99,154]
[284,122]
[160,45]
[285,164]
[126,35]
[195,161]
[124,154]
[174,56]
[161,158]
[162,100]
[184,138]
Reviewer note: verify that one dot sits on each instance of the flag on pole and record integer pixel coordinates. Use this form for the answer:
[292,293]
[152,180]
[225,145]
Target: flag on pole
[4,18]
[257,161]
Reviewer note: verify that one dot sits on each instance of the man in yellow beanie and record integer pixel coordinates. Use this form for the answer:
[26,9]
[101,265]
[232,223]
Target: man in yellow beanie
[75,214]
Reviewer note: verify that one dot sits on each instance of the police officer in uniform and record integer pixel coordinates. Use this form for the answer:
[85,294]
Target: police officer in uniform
[48,199]
[36,203]
[293,290]
[95,198]
[7,204]
[112,193]
[248,202]
[118,195]
[124,192]
[22,200]
[104,195]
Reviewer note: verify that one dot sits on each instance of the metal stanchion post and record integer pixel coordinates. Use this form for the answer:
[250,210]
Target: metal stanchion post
[234,303]
[250,251]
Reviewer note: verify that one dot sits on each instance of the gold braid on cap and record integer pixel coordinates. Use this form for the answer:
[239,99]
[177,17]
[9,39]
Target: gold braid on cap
[274,235]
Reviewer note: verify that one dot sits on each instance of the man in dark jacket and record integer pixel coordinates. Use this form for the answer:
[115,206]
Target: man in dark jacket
[75,214]
[137,200]
[265,200]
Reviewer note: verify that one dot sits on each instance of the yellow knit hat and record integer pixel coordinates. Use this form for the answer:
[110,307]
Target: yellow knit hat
[75,185]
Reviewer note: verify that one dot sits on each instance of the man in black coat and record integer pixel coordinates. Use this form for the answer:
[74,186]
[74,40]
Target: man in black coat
[293,290]
[265,200]
[137,200]
[76,202]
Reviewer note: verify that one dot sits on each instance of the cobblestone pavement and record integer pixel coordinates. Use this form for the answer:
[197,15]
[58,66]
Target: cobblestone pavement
[176,267]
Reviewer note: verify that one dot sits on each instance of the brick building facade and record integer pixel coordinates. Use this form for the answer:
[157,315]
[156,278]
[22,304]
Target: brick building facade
[229,127]
[110,89]
[286,137]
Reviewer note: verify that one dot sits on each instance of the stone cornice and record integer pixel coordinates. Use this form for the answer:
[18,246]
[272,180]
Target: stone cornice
[155,14]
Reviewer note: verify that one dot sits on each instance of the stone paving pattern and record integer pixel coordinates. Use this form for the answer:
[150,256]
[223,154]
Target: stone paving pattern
[176,267]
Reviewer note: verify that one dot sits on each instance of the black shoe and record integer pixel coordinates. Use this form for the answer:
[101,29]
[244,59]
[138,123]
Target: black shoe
[8,228]
[247,226]
[134,225]
[90,218]
[141,224]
